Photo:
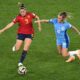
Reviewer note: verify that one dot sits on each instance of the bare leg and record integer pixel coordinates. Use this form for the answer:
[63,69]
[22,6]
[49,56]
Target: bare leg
[59,48]
[78,54]
[65,53]
[27,44]
[17,46]
[72,57]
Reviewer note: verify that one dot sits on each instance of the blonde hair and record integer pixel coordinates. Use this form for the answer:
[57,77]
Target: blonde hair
[65,14]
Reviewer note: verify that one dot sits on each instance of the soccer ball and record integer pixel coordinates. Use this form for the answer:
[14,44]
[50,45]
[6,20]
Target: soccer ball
[22,70]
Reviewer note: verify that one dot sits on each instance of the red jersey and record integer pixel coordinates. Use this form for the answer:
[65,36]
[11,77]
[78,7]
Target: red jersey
[25,23]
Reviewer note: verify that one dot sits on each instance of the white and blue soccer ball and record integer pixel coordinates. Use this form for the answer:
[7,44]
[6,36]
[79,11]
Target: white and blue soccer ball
[22,70]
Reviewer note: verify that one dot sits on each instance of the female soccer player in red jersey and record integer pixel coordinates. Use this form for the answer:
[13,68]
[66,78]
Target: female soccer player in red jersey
[25,31]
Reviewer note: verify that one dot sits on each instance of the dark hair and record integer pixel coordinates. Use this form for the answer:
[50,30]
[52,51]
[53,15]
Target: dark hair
[21,5]
[63,14]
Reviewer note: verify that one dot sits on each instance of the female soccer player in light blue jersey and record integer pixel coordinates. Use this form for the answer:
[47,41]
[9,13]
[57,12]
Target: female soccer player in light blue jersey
[61,26]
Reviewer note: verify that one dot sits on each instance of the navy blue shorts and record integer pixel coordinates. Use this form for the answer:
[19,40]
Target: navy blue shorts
[24,36]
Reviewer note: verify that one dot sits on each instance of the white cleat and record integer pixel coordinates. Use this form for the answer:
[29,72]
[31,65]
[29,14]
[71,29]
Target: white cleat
[13,48]
[20,64]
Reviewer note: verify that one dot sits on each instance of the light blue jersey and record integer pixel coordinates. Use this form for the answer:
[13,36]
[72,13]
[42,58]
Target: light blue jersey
[61,32]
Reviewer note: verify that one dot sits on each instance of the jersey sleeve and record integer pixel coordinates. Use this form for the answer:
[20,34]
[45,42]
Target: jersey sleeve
[69,25]
[33,15]
[53,21]
[16,20]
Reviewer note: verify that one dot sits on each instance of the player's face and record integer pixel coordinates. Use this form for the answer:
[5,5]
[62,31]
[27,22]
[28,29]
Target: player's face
[60,18]
[23,12]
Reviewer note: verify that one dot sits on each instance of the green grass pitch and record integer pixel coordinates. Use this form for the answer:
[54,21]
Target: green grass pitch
[43,61]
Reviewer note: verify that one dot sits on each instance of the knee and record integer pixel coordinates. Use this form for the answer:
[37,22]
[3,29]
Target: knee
[26,48]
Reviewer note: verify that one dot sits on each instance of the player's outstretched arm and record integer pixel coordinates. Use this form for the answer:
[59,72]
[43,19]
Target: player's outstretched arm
[7,27]
[39,24]
[42,21]
[75,29]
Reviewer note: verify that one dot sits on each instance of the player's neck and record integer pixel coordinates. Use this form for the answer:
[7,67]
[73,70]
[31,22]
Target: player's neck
[61,21]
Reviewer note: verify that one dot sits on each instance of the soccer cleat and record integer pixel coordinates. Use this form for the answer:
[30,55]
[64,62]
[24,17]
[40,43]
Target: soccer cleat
[72,58]
[13,48]
[20,64]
